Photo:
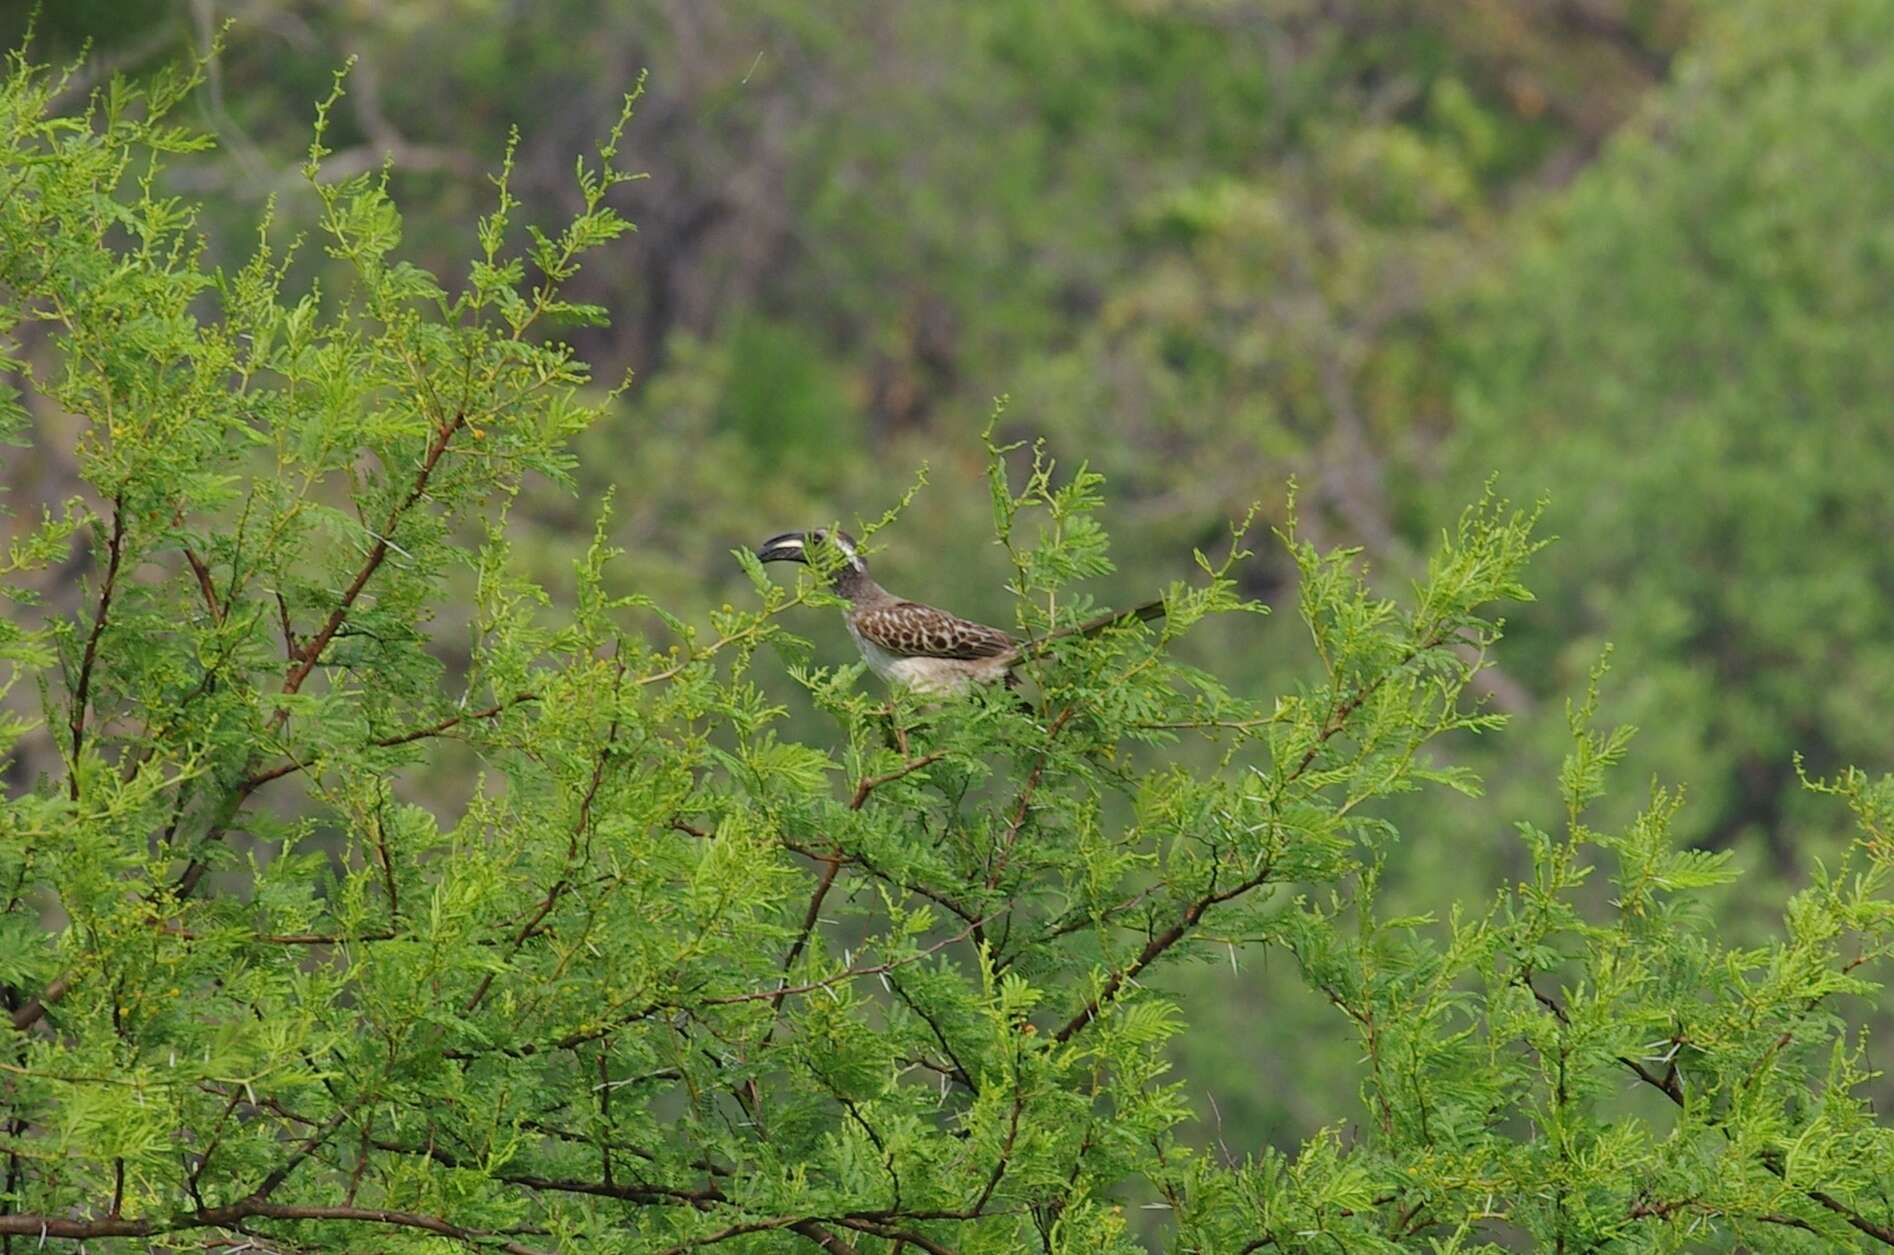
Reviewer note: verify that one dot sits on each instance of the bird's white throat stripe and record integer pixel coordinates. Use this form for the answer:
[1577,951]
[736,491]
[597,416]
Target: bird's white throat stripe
[848,551]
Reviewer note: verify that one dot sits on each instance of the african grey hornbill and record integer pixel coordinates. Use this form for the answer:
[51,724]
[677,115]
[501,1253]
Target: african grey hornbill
[905,642]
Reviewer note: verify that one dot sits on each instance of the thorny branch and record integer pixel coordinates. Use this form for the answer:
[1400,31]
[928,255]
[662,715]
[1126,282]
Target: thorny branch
[304,660]
[1670,1086]
[1194,910]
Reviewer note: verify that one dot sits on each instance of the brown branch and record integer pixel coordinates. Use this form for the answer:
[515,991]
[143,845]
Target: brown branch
[882,874]
[822,1237]
[1670,1084]
[62,1226]
[776,995]
[958,1070]
[635,1192]
[195,870]
[567,1135]
[289,633]
[250,784]
[1061,927]
[833,864]
[82,693]
[1015,825]
[1879,1232]
[309,1147]
[605,1116]
[311,651]
[282,939]
[1155,947]
[1006,1151]
[435,729]
[387,864]
[897,1236]
[31,1011]
[868,784]
[359,1171]
[210,1148]
[806,1226]
[629,1192]
[253,782]
[577,1038]
[204,584]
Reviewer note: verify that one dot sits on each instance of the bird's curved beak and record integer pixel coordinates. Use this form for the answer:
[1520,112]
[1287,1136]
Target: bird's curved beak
[786,547]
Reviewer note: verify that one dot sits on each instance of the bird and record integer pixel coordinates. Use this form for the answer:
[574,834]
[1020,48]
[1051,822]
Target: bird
[917,646]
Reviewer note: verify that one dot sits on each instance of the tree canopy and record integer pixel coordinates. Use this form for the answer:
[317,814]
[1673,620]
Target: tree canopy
[379,892]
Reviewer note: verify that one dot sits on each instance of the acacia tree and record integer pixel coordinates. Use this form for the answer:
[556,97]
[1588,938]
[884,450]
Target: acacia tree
[643,974]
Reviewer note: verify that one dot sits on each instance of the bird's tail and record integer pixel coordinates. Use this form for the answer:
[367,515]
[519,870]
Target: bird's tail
[1093,626]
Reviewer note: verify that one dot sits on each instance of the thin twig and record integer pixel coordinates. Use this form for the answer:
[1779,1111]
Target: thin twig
[82,693]
[253,782]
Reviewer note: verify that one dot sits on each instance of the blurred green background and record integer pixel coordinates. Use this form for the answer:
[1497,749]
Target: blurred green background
[1634,255]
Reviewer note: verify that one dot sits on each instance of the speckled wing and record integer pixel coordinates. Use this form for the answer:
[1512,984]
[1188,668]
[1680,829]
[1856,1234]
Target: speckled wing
[909,629]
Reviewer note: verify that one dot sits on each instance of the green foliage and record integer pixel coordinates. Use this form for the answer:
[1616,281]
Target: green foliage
[665,974]
[783,400]
[1687,354]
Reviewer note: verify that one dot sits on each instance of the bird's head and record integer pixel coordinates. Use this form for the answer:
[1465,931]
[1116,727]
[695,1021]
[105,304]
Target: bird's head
[832,552]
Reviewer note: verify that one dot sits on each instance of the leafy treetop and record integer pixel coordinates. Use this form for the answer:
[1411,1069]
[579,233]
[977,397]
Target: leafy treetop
[646,974]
